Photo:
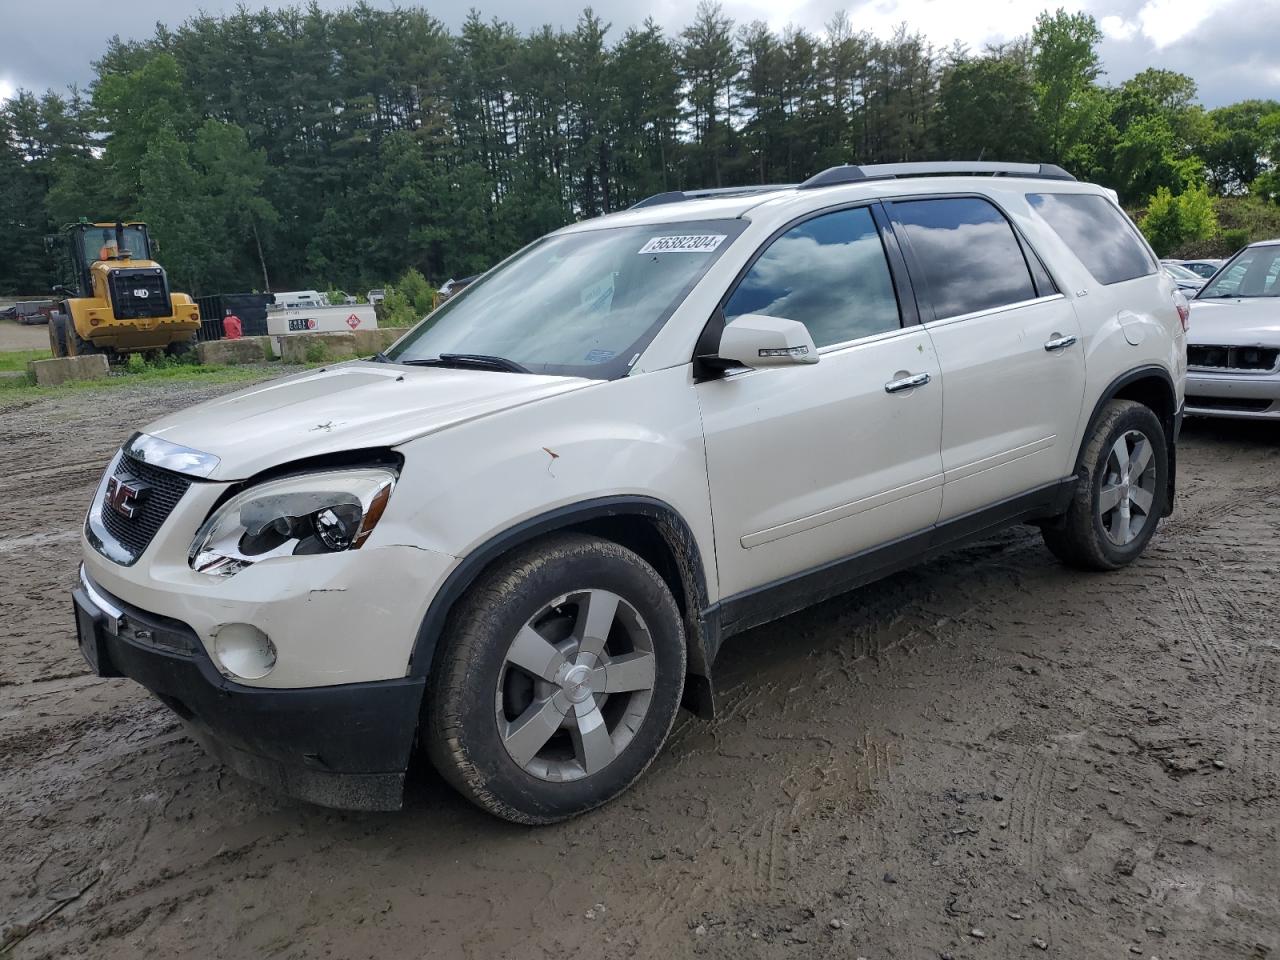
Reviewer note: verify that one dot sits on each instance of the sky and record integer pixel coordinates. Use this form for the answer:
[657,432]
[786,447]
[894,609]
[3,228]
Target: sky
[1227,46]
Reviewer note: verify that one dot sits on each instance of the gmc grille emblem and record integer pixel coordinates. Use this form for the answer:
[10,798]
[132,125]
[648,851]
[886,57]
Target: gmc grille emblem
[125,495]
[141,293]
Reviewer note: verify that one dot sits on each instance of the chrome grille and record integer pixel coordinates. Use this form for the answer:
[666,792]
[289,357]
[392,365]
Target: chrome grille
[162,491]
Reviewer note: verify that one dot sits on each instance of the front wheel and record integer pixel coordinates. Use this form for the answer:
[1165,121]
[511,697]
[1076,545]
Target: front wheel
[58,334]
[1121,492]
[560,680]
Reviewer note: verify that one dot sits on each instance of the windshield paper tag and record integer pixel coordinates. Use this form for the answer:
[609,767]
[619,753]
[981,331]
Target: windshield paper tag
[703,243]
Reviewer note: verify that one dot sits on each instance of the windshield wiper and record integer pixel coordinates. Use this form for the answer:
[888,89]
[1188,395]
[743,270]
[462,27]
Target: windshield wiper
[465,360]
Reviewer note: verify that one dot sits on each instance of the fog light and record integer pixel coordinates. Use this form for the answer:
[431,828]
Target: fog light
[242,650]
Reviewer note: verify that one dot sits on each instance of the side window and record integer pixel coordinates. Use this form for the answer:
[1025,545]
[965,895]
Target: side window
[829,273]
[1098,233]
[968,253]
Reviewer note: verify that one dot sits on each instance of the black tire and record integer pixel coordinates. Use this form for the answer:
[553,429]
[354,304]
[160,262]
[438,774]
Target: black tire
[1083,538]
[58,334]
[81,346]
[460,728]
[180,348]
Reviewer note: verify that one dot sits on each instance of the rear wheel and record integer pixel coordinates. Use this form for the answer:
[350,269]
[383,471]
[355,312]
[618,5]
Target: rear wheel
[78,345]
[181,348]
[1120,494]
[560,681]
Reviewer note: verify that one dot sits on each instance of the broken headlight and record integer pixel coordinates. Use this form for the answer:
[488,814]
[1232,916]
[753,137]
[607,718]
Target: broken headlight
[307,514]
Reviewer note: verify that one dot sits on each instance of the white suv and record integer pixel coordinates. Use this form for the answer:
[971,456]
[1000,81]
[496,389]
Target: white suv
[520,537]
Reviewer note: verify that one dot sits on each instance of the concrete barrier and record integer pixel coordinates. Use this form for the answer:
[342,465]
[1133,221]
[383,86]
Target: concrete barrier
[369,342]
[244,350]
[317,347]
[50,373]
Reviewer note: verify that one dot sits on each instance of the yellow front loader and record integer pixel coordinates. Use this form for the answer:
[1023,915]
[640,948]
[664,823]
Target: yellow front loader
[115,298]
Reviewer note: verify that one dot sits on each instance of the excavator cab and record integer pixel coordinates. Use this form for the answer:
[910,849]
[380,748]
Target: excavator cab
[115,297]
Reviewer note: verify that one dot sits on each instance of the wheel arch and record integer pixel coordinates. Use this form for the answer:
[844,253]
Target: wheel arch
[1153,387]
[652,529]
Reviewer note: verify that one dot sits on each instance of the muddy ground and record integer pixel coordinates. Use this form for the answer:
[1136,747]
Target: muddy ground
[988,756]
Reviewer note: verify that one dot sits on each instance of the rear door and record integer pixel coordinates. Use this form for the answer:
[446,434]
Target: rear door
[1008,344]
[811,464]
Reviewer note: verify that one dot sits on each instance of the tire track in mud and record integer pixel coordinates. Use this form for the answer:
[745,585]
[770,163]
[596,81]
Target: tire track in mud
[66,475]
[756,857]
[1033,791]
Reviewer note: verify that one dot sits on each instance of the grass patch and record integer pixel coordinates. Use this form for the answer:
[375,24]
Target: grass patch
[136,374]
[17,359]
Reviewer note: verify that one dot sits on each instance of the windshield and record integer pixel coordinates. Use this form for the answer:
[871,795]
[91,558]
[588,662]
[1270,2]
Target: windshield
[578,304]
[1181,273]
[100,243]
[1253,272]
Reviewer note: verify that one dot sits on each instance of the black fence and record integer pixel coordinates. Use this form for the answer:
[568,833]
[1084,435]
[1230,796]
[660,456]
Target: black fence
[251,308]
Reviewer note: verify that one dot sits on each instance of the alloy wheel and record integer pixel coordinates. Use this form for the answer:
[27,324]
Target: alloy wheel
[575,685]
[1128,491]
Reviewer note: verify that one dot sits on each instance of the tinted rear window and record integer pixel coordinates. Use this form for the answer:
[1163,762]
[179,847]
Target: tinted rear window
[1097,233]
[968,253]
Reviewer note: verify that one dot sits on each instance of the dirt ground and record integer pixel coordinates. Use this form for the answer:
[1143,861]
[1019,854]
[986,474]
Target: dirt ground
[985,757]
[23,336]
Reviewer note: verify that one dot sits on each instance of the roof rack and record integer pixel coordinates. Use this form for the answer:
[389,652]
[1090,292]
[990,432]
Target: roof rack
[950,168]
[679,196]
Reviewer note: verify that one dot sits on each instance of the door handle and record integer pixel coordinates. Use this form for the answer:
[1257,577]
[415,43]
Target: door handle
[906,383]
[1059,343]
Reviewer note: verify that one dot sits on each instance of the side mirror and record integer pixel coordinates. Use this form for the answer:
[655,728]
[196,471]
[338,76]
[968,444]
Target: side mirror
[755,340]
[155,245]
[59,288]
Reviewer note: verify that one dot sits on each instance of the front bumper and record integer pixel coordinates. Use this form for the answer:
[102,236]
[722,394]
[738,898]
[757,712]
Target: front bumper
[345,746]
[1249,396]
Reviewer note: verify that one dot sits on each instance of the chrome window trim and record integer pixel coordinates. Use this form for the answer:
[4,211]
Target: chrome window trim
[991,311]
[171,456]
[869,338]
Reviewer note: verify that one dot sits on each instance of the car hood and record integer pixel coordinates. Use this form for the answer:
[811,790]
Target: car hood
[348,407]
[1246,322]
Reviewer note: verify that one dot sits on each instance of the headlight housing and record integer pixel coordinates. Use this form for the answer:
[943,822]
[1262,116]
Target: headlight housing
[312,513]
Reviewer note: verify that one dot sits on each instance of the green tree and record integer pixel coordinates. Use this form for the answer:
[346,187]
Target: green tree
[231,181]
[987,106]
[1173,220]
[172,205]
[137,109]
[1065,65]
[708,67]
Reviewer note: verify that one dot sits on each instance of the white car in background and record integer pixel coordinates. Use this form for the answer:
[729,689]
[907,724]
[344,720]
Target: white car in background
[1233,347]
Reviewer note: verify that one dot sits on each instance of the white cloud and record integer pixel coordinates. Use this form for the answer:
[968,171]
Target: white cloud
[1168,21]
[1118,28]
[7,89]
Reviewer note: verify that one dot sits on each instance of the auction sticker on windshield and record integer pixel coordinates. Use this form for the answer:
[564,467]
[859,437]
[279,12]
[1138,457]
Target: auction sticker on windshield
[701,243]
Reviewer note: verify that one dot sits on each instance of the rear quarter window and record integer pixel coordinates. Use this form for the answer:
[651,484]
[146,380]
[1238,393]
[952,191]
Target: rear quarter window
[1098,233]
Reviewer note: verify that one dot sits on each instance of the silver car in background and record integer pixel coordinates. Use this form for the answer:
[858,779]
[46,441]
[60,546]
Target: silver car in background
[1204,269]
[1188,282]
[1233,346]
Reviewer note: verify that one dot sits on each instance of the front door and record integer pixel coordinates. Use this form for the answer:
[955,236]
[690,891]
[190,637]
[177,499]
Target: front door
[811,464]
